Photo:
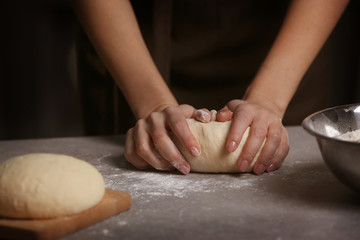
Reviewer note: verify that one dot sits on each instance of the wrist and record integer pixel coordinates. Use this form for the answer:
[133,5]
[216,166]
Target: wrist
[156,107]
[265,101]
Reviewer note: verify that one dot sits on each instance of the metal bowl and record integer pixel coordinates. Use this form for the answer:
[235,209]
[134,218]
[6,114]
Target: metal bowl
[341,156]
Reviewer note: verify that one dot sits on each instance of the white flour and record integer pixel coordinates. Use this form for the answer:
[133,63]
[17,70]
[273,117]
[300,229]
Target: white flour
[353,136]
[151,184]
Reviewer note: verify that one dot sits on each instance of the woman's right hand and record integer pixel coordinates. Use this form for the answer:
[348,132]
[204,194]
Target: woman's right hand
[148,144]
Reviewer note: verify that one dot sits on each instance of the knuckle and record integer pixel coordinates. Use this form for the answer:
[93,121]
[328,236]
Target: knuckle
[170,110]
[264,161]
[248,107]
[244,117]
[128,154]
[152,118]
[185,107]
[246,154]
[160,140]
[233,102]
[142,150]
[275,138]
[139,124]
[260,132]
[177,125]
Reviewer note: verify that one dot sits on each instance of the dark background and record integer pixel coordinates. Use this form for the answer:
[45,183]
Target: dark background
[52,84]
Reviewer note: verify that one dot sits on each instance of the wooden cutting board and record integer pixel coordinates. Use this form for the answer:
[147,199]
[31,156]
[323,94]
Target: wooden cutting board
[112,203]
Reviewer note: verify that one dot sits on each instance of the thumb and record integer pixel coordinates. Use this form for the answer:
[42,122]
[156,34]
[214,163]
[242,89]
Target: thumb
[224,114]
[202,115]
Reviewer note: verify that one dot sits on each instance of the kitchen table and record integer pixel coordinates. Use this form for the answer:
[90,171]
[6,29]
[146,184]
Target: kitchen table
[301,200]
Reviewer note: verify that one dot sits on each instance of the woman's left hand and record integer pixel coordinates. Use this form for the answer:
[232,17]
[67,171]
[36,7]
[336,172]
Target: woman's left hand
[263,125]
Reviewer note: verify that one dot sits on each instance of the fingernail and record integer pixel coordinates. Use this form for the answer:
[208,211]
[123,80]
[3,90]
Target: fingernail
[161,168]
[232,146]
[244,165]
[176,165]
[202,116]
[184,169]
[194,151]
[271,168]
[260,169]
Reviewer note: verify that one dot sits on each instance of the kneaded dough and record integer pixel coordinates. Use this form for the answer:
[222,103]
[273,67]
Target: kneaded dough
[214,157]
[42,185]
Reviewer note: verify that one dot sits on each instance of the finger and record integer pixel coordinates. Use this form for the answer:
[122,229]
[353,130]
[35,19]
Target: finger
[273,139]
[145,150]
[224,115]
[169,151]
[177,123]
[163,142]
[241,120]
[187,110]
[281,152]
[130,152]
[202,115]
[257,134]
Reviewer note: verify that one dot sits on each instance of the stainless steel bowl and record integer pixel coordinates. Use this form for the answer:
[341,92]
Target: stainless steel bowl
[342,157]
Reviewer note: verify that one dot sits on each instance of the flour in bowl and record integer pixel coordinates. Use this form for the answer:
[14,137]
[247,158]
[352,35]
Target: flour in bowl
[353,136]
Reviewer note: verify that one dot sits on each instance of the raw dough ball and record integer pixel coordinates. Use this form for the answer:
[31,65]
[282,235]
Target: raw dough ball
[41,185]
[214,157]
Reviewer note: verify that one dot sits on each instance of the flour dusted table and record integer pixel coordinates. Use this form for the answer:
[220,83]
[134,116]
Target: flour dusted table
[301,200]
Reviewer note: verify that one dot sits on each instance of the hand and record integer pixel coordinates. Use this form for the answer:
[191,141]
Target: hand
[263,125]
[148,144]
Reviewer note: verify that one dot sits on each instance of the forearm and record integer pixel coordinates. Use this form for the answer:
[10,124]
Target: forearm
[305,29]
[112,28]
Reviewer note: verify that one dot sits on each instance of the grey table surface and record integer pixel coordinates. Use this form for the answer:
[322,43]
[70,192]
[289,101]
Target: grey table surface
[301,200]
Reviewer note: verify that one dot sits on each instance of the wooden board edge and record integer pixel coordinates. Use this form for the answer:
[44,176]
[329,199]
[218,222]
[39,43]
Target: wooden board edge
[75,222]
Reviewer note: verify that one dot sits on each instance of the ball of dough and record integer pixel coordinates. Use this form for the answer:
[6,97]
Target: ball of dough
[42,185]
[214,157]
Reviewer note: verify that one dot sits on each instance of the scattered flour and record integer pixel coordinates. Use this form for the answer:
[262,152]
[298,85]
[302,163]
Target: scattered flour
[121,223]
[105,232]
[148,184]
[353,136]
[103,157]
